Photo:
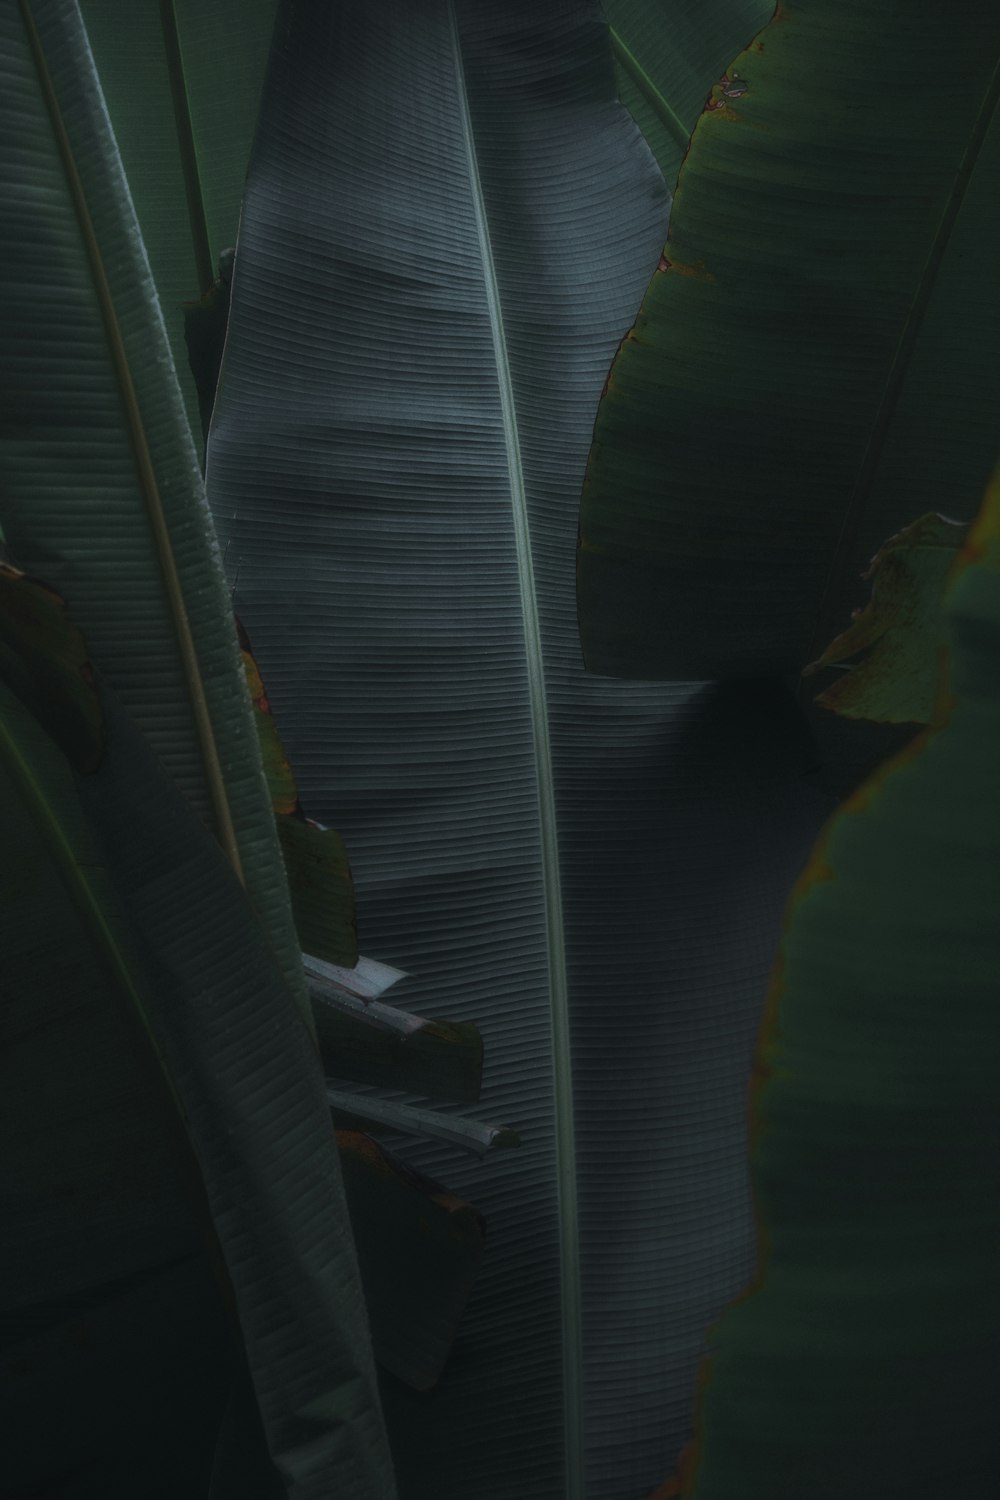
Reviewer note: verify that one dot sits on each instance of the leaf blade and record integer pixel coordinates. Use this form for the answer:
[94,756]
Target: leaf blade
[781,406]
[860,1067]
[385,609]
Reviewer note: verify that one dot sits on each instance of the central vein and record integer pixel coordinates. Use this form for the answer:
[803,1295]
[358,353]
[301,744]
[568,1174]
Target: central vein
[565,1149]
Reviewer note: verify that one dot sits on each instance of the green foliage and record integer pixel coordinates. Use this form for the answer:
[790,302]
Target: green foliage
[815,363]
[448,224]
[667,55]
[864,1357]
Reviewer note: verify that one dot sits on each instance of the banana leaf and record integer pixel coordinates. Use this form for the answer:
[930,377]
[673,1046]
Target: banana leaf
[181,80]
[237,1060]
[95,435]
[667,55]
[102,499]
[864,1359]
[448,225]
[111,1313]
[419,1249]
[815,362]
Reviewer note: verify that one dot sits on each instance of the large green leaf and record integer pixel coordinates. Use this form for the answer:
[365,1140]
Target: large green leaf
[181,80]
[102,498]
[816,362]
[448,225]
[101,492]
[111,1312]
[864,1360]
[667,55]
[241,1064]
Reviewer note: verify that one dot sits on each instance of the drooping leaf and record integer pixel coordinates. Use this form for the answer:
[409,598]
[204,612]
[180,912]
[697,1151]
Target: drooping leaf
[362,1038]
[448,225]
[43,659]
[419,1248]
[816,361]
[864,1357]
[667,54]
[901,632]
[181,80]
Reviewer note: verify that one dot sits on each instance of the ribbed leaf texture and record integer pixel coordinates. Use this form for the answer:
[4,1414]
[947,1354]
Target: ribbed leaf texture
[667,53]
[108,1288]
[73,509]
[816,364]
[449,223]
[160,910]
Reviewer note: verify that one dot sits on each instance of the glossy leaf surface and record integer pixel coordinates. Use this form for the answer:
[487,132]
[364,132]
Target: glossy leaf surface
[111,1309]
[865,1355]
[815,363]
[448,226]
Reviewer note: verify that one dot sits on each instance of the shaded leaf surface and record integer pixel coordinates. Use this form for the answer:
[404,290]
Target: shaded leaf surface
[419,1248]
[448,226]
[74,509]
[668,53]
[246,1073]
[865,1356]
[816,362]
[205,336]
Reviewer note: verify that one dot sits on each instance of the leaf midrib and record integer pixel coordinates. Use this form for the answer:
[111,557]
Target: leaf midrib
[658,103]
[565,1148]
